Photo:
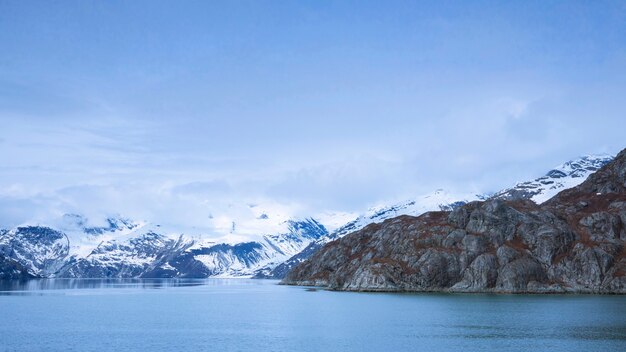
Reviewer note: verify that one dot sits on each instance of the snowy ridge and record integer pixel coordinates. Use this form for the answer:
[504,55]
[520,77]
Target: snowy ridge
[437,200]
[245,259]
[128,249]
[85,237]
[567,175]
[129,258]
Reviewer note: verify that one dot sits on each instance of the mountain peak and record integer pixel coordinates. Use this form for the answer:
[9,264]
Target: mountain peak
[581,166]
[564,176]
[611,178]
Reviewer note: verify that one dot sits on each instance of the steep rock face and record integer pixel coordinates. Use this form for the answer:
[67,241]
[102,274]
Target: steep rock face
[126,259]
[41,250]
[13,270]
[575,242]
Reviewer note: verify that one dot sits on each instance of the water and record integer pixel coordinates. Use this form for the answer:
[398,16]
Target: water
[258,315]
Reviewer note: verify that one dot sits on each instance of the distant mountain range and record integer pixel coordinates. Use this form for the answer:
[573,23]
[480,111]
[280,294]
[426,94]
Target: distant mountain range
[139,250]
[124,248]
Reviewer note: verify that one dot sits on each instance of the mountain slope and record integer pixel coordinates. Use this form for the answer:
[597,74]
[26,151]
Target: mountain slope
[575,242]
[246,258]
[41,250]
[120,259]
[13,270]
[438,200]
[123,249]
[538,190]
[565,176]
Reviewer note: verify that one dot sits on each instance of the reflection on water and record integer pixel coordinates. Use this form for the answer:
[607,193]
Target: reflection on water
[598,333]
[39,286]
[617,333]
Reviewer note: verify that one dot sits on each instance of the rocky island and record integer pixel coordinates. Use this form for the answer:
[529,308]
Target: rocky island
[572,243]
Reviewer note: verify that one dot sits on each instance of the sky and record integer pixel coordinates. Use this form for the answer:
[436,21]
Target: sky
[177,112]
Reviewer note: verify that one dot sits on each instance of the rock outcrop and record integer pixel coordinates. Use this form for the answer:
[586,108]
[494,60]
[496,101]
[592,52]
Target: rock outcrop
[574,242]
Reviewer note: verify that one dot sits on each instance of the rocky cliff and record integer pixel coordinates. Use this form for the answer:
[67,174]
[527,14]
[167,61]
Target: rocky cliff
[566,175]
[574,242]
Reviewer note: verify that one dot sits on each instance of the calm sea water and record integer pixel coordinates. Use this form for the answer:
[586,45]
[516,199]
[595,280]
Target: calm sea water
[259,315]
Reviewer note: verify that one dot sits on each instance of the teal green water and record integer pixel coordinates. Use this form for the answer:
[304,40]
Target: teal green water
[258,315]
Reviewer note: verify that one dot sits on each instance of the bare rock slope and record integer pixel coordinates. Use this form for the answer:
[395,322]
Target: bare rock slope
[574,242]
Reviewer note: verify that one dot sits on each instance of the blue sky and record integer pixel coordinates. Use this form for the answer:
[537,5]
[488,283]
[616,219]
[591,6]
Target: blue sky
[118,106]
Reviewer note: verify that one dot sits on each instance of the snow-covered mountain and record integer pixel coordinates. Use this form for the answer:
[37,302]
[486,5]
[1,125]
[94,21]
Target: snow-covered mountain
[242,259]
[567,175]
[127,249]
[119,247]
[438,200]
[40,249]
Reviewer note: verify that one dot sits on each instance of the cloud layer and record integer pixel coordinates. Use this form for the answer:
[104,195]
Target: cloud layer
[191,114]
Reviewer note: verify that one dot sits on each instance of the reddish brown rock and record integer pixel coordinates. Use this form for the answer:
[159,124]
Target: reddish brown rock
[575,242]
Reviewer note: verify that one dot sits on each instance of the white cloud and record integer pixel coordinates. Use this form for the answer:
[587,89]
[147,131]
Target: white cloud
[365,106]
